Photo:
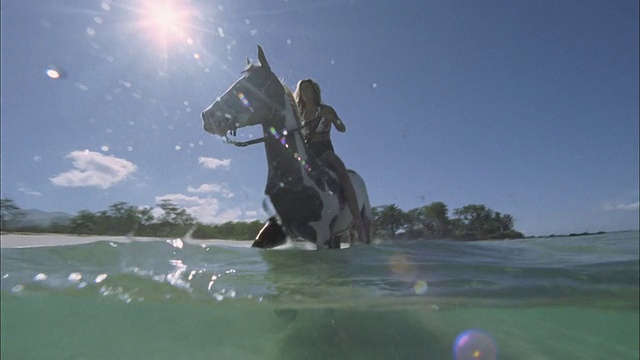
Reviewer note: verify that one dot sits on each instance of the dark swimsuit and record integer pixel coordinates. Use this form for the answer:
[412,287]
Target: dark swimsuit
[322,145]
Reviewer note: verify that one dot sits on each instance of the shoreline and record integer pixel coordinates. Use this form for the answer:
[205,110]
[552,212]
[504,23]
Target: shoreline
[10,240]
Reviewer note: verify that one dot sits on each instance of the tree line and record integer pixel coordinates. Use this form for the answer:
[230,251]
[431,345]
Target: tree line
[432,221]
[471,222]
[122,219]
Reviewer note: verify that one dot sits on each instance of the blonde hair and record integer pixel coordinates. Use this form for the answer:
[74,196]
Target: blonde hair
[316,93]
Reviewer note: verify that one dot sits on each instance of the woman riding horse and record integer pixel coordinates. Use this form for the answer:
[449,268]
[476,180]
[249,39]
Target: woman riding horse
[316,118]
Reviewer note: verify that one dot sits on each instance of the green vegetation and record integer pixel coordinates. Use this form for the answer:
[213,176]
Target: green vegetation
[10,213]
[586,233]
[124,219]
[471,222]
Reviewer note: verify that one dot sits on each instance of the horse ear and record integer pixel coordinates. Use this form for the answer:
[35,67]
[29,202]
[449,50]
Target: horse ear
[263,59]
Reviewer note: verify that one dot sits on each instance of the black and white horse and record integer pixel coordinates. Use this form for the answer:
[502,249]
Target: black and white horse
[306,196]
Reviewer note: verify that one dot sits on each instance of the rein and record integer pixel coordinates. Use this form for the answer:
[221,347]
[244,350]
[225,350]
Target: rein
[244,143]
[259,140]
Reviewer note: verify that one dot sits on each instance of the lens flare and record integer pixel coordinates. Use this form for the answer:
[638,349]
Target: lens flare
[474,345]
[283,140]
[166,21]
[402,267]
[244,100]
[420,287]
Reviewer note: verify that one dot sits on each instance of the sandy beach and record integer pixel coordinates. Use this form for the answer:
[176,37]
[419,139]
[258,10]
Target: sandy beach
[13,240]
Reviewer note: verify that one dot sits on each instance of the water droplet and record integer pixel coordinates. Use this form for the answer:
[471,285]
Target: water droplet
[177,243]
[91,32]
[81,86]
[54,74]
[104,148]
[254,32]
[178,147]
[333,62]
[100,278]
[75,277]
[17,288]
[189,41]
[97,19]
[196,56]
[247,21]
[129,148]
[374,85]
[288,41]
[40,277]
[106,6]
[220,32]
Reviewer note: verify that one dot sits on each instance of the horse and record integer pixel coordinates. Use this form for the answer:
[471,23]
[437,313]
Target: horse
[305,194]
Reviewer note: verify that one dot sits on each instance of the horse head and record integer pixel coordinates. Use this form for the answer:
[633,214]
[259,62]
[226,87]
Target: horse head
[252,99]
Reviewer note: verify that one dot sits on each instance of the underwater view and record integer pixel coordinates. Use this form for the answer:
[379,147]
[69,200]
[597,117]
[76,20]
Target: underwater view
[132,298]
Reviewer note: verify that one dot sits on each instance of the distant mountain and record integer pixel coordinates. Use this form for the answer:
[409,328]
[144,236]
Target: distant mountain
[36,217]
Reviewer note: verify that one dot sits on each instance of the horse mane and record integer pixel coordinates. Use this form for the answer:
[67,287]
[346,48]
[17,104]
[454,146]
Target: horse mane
[292,101]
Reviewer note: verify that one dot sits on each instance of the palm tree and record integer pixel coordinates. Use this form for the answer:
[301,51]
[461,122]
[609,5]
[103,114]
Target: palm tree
[391,219]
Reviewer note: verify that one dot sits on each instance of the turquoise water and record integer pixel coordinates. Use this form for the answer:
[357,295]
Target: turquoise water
[560,298]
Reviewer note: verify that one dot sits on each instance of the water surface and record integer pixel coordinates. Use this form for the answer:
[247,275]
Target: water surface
[106,298]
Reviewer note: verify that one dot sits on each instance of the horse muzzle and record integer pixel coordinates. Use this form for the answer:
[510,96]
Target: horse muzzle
[215,122]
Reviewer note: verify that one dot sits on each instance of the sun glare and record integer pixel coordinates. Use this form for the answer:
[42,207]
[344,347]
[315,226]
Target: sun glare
[166,21]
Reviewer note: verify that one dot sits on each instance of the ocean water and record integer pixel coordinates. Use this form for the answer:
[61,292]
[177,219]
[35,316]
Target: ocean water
[122,298]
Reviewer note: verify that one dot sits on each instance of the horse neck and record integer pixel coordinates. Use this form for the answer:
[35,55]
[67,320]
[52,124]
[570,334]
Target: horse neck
[286,154]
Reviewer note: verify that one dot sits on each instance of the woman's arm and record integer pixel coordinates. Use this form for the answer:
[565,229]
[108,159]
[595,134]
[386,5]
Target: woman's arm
[330,114]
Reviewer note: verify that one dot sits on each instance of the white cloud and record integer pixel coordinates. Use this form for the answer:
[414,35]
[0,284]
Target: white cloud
[28,191]
[206,210]
[94,169]
[213,163]
[623,207]
[212,188]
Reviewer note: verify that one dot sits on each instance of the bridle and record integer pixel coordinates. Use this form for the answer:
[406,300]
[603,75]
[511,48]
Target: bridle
[274,109]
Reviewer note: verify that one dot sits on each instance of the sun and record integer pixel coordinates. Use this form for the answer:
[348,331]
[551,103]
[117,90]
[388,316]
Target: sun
[166,21]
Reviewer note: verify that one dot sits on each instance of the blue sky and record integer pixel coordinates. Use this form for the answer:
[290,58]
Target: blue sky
[528,107]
